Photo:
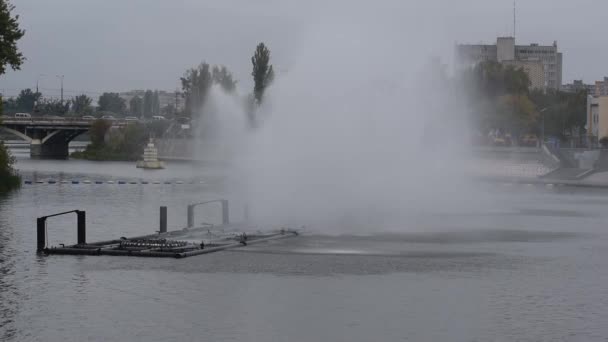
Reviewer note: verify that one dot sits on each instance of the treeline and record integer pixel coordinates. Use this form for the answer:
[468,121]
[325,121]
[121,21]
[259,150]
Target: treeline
[126,143]
[147,105]
[197,82]
[502,101]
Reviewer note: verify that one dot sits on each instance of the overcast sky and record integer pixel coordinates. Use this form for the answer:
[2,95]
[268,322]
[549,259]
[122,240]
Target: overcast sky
[117,45]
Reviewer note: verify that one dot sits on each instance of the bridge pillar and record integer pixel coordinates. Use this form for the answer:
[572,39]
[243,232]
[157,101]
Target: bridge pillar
[48,150]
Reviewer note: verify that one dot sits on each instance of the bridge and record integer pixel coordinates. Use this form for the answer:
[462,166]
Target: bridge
[48,137]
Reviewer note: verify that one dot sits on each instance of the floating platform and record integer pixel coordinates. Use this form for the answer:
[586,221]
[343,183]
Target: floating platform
[182,243]
[176,244]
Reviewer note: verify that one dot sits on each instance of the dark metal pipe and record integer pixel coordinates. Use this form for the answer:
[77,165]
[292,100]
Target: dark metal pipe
[225,213]
[81,217]
[41,233]
[63,213]
[190,216]
[163,220]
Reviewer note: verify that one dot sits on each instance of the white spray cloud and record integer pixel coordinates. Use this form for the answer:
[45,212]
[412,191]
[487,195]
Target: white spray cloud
[362,132]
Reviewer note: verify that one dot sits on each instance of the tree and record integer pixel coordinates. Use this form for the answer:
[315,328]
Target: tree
[148,103]
[8,176]
[27,100]
[98,131]
[168,110]
[223,77]
[9,35]
[565,114]
[516,114]
[136,106]
[155,103]
[500,97]
[9,56]
[112,102]
[262,73]
[53,107]
[196,83]
[81,104]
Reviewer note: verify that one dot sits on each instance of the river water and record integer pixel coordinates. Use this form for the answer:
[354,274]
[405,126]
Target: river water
[533,269]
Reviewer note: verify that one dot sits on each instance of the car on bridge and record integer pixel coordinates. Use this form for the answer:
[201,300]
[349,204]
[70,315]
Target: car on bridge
[88,117]
[23,116]
[131,118]
[108,117]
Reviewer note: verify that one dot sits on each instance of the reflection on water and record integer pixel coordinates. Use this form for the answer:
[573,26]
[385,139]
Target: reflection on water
[538,261]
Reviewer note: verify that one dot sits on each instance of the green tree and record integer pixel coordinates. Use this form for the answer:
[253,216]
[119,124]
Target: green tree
[53,107]
[27,100]
[223,77]
[148,105]
[196,83]
[9,106]
[262,73]
[98,131]
[168,110]
[565,114]
[516,114]
[9,35]
[111,102]
[9,56]
[81,104]
[136,106]
[156,103]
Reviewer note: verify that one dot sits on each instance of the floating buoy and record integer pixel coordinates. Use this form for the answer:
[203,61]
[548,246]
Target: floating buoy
[28,182]
[132,182]
[122,182]
[98,182]
[52,182]
[179,182]
[86,181]
[144,182]
[110,182]
[39,182]
[64,182]
[75,182]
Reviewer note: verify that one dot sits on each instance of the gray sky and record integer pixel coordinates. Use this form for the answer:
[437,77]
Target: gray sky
[117,45]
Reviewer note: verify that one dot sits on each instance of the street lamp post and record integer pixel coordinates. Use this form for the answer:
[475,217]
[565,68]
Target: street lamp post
[38,81]
[542,129]
[61,77]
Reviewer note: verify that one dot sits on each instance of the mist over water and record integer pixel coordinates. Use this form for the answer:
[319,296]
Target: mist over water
[359,133]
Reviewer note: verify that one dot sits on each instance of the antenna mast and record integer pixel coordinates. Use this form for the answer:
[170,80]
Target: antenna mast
[514,19]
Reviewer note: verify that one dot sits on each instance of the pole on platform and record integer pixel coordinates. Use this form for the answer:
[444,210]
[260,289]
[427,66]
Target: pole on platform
[81,217]
[163,219]
[41,233]
[225,212]
[190,215]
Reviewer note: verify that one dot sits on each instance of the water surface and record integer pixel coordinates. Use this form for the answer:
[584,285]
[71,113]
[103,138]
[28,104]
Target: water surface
[532,267]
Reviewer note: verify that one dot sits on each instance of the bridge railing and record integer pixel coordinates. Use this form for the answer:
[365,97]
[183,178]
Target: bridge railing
[37,120]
